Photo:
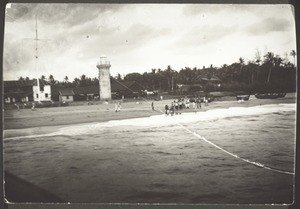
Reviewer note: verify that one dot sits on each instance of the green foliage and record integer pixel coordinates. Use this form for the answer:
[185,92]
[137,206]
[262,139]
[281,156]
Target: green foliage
[272,73]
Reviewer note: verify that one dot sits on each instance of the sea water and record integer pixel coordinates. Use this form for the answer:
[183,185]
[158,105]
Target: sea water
[158,159]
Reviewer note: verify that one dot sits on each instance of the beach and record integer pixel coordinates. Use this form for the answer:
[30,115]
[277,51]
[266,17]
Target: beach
[91,153]
[101,112]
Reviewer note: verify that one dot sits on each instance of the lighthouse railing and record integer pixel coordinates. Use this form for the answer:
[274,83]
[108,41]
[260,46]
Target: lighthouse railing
[103,62]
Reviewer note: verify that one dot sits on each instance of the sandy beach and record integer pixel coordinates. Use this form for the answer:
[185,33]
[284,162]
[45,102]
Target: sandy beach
[98,112]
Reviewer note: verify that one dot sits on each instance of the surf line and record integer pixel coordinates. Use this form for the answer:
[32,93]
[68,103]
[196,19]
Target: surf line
[260,165]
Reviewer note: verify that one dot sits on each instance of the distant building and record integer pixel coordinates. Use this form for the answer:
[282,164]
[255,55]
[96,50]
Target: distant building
[66,95]
[26,91]
[184,88]
[128,89]
[86,93]
[209,80]
[119,89]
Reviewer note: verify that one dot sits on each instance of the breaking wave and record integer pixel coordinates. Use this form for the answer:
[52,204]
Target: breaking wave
[152,121]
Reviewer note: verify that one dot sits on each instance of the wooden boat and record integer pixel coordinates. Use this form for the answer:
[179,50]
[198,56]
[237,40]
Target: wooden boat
[270,95]
[243,97]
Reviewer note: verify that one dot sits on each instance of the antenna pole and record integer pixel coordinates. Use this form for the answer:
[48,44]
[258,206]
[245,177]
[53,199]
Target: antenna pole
[36,58]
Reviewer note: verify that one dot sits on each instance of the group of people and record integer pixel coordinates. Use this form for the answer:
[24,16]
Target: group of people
[185,103]
[32,107]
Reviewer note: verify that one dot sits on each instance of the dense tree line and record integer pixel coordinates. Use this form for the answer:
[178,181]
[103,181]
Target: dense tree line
[270,73]
[83,80]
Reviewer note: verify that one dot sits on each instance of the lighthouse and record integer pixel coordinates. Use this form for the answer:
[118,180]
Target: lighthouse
[104,78]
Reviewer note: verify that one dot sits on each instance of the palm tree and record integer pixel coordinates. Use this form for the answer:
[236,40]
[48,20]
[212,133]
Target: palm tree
[277,60]
[83,80]
[293,53]
[51,79]
[257,57]
[241,62]
[269,58]
[119,78]
[66,79]
[95,81]
[76,82]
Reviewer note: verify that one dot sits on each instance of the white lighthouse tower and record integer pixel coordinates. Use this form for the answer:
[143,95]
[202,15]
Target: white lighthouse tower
[104,78]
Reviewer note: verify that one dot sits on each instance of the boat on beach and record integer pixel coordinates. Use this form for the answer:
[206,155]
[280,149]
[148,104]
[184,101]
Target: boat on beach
[270,95]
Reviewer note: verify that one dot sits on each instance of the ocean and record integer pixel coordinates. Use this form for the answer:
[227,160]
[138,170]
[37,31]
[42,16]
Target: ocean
[219,156]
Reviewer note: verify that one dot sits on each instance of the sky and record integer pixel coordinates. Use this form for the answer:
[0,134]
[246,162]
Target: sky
[140,37]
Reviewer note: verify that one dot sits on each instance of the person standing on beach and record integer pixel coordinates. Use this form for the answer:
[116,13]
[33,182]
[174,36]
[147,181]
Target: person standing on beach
[187,104]
[116,107]
[18,107]
[172,109]
[152,105]
[33,106]
[167,109]
[119,107]
[198,101]
[180,104]
[176,105]
[205,101]
[193,101]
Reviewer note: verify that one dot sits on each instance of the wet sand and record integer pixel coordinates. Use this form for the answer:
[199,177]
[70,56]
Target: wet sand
[59,116]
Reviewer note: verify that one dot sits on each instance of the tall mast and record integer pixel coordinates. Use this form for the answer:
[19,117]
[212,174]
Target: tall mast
[36,38]
[36,57]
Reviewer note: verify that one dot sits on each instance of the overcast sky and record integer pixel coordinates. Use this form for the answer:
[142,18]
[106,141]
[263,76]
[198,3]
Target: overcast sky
[139,37]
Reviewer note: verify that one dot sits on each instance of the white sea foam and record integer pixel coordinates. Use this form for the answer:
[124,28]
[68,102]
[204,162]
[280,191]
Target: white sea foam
[162,120]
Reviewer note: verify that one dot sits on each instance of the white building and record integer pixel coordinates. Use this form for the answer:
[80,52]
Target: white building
[26,91]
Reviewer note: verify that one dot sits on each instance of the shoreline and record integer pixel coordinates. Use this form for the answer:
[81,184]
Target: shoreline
[42,129]
[112,160]
[56,117]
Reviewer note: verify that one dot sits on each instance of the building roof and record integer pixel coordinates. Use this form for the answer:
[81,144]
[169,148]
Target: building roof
[86,90]
[132,86]
[66,92]
[126,86]
[24,83]
[17,94]
[194,87]
[212,79]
